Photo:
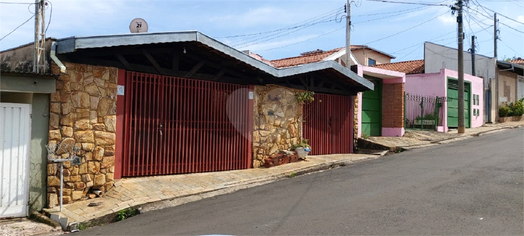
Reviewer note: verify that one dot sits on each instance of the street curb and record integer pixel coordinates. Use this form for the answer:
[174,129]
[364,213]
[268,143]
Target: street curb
[454,139]
[224,189]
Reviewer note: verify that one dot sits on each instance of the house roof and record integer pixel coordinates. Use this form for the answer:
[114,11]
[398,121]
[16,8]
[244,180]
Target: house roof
[316,56]
[304,58]
[356,47]
[518,61]
[408,67]
[195,55]
[511,66]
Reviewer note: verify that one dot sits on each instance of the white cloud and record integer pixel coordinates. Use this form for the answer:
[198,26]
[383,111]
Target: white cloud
[275,44]
[255,17]
[520,19]
[447,19]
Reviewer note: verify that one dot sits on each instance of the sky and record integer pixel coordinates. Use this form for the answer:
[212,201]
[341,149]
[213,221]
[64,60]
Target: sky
[282,28]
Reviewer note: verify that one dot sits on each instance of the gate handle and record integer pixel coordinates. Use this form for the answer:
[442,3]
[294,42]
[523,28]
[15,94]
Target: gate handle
[160,129]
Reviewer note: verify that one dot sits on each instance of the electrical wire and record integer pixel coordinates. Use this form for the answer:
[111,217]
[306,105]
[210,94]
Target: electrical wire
[20,3]
[294,26]
[485,8]
[397,14]
[50,15]
[414,45]
[413,3]
[499,21]
[516,53]
[291,44]
[17,27]
[412,27]
[391,12]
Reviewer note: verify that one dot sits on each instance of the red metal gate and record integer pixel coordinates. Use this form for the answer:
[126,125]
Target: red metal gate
[328,124]
[176,125]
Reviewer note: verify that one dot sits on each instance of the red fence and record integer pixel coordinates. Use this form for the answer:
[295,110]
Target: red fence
[328,124]
[176,125]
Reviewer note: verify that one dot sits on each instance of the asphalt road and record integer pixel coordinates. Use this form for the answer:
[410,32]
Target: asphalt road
[470,187]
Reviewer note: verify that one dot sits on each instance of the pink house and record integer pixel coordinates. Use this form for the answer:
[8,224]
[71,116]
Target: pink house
[443,84]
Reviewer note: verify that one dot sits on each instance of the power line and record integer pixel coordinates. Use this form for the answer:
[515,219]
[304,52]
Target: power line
[413,3]
[391,12]
[507,17]
[17,27]
[50,15]
[509,47]
[412,27]
[291,44]
[19,3]
[294,26]
[397,13]
[511,27]
[271,37]
[311,22]
[414,45]
[499,21]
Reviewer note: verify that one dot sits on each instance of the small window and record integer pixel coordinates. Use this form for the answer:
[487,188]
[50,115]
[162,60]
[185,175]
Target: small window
[371,62]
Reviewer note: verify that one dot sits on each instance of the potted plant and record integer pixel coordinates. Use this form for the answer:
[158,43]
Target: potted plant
[302,148]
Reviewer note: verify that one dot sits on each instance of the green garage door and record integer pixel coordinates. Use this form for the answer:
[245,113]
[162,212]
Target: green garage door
[372,111]
[453,103]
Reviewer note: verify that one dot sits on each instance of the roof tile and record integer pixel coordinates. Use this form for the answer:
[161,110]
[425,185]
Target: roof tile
[308,57]
[518,61]
[408,67]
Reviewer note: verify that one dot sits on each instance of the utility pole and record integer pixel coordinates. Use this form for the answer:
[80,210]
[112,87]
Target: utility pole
[39,45]
[473,55]
[495,38]
[348,35]
[495,34]
[461,127]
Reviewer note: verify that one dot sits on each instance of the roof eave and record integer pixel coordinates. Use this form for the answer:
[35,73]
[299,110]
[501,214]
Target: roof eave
[324,65]
[72,44]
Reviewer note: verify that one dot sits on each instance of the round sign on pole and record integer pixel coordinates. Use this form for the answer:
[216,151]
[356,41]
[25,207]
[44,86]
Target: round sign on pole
[138,25]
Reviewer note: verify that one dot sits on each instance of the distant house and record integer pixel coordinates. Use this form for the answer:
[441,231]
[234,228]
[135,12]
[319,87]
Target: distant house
[179,102]
[503,81]
[360,55]
[519,61]
[378,112]
[424,87]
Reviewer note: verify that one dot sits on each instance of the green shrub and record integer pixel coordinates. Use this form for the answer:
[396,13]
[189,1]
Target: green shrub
[126,213]
[518,108]
[504,111]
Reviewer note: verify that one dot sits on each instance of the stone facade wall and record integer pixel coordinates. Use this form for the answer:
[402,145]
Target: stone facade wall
[83,114]
[277,121]
[393,105]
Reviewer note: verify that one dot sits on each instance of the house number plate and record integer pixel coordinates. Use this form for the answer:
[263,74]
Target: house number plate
[120,90]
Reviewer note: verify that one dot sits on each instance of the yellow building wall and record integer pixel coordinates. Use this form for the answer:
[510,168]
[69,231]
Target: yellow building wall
[507,87]
[362,56]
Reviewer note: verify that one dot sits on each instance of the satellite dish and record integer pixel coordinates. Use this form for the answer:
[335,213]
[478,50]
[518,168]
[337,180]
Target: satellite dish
[138,25]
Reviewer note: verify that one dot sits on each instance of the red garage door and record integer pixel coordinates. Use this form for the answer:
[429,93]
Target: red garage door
[328,124]
[176,125]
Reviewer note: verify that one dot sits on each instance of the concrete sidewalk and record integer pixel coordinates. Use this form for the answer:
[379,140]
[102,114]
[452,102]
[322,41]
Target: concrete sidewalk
[152,193]
[414,138]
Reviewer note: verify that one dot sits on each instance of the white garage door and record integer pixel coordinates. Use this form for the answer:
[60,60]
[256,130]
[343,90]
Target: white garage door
[15,132]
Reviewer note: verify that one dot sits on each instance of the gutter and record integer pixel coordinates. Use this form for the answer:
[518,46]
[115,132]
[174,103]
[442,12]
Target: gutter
[55,59]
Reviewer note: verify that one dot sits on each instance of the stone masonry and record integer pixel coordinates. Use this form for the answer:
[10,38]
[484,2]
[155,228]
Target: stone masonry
[83,114]
[277,121]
